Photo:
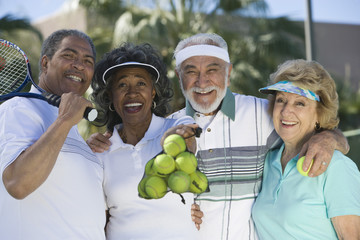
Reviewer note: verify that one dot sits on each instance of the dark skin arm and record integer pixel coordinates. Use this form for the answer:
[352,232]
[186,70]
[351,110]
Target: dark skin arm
[321,147]
[32,167]
[99,142]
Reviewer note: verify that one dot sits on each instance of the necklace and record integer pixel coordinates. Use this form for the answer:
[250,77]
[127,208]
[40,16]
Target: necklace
[123,135]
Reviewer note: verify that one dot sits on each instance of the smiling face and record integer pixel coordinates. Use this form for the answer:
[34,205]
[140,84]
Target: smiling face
[70,69]
[132,94]
[204,80]
[294,118]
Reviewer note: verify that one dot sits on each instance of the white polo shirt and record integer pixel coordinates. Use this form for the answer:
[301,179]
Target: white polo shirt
[231,152]
[133,217]
[70,203]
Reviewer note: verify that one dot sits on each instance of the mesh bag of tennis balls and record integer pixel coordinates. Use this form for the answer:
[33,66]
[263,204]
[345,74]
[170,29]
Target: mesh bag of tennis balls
[174,169]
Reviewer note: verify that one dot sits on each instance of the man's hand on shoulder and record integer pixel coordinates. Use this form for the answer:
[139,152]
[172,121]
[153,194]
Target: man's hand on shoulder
[320,148]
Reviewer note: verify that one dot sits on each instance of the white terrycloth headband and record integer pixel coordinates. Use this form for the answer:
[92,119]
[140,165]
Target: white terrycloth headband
[201,50]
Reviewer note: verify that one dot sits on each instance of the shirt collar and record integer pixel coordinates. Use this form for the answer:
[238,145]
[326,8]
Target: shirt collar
[153,131]
[33,89]
[227,106]
[277,158]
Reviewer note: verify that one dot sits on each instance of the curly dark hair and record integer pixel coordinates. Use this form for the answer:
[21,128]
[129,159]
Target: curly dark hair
[128,52]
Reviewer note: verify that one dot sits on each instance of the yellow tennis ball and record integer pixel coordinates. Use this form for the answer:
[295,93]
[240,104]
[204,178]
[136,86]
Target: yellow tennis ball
[141,188]
[149,171]
[299,165]
[174,144]
[186,161]
[155,187]
[163,164]
[198,182]
[179,182]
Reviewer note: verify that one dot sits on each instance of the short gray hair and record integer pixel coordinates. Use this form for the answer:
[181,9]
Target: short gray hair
[201,38]
[52,43]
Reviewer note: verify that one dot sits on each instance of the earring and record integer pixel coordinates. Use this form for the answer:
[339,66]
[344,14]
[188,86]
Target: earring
[111,109]
[154,104]
[317,126]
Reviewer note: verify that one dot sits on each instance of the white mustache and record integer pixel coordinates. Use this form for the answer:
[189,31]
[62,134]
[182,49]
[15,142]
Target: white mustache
[204,90]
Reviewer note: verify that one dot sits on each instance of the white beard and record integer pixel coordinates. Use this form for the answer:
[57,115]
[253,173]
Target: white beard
[204,108]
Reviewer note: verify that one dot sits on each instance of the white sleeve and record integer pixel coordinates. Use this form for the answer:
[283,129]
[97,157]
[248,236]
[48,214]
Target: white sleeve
[184,120]
[20,128]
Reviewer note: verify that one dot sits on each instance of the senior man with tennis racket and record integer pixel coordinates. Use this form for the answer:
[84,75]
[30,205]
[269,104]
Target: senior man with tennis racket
[51,184]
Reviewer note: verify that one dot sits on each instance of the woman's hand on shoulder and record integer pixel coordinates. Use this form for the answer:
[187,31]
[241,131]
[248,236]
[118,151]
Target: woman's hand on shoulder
[99,142]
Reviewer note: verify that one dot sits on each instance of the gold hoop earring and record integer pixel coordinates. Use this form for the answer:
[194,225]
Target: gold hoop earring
[111,109]
[317,126]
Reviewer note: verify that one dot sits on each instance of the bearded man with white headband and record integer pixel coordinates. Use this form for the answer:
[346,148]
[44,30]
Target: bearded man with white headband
[237,133]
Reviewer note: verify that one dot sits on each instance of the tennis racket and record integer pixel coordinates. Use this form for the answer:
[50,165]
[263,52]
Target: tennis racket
[15,74]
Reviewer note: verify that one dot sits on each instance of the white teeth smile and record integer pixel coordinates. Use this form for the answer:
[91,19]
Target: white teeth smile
[288,123]
[205,90]
[133,105]
[75,78]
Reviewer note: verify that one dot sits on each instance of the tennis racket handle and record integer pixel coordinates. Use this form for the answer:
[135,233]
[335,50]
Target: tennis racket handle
[90,114]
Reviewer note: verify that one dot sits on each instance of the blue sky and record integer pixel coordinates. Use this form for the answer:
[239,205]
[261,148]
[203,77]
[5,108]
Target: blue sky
[331,11]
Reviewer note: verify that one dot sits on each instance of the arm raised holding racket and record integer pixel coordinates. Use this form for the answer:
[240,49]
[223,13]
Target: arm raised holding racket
[15,74]
[67,67]
[51,176]
[33,166]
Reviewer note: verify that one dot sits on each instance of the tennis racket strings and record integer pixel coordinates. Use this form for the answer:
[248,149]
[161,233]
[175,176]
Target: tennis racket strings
[13,69]
[15,73]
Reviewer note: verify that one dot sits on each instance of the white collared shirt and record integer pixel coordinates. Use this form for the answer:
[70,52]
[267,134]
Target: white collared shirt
[231,152]
[70,203]
[133,217]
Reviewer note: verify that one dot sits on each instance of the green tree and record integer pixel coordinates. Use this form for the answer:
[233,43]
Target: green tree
[349,114]
[22,33]
[256,45]
[10,23]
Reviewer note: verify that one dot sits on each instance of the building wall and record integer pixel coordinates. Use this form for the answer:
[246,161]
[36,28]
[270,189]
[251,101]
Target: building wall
[70,18]
[337,48]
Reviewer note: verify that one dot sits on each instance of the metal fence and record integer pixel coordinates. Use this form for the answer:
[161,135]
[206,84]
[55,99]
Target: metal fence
[353,137]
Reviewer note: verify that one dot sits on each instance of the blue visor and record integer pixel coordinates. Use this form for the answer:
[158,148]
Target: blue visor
[290,87]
